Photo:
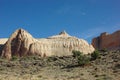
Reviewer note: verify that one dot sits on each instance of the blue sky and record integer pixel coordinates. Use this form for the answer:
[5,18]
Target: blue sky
[42,18]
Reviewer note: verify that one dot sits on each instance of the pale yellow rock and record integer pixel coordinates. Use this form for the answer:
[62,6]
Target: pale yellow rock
[3,40]
[21,43]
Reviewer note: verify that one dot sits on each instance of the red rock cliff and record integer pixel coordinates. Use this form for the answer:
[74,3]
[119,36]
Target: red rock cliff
[107,41]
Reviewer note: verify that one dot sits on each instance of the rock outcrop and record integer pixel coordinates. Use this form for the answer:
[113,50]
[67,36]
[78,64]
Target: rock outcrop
[107,41]
[2,42]
[21,43]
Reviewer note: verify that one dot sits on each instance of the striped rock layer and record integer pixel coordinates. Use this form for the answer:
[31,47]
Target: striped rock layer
[21,43]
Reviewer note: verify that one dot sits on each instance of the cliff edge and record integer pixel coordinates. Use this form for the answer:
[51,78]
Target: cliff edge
[107,41]
[21,43]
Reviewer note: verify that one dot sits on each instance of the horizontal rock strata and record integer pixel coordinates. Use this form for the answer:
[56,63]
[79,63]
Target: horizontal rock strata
[21,43]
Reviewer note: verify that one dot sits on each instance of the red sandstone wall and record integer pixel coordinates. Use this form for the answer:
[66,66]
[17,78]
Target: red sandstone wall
[108,41]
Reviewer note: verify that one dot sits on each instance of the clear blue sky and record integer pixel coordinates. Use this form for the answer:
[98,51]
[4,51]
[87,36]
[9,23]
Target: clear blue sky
[42,18]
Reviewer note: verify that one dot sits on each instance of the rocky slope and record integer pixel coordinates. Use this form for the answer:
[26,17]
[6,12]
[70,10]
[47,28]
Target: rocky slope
[21,43]
[107,67]
[107,41]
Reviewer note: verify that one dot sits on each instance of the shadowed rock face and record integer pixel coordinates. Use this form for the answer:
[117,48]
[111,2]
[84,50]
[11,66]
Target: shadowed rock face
[107,41]
[17,44]
[21,43]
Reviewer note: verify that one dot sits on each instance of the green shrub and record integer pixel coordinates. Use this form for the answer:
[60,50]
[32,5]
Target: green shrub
[104,50]
[76,53]
[52,58]
[81,58]
[95,55]
[14,58]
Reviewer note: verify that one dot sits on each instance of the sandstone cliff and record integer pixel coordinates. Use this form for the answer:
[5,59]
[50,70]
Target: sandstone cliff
[107,41]
[2,42]
[21,43]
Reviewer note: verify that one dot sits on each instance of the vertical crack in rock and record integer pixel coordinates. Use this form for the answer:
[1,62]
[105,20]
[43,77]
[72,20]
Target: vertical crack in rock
[21,43]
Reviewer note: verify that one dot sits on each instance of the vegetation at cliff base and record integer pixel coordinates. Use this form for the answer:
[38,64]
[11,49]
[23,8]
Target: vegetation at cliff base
[73,67]
[95,55]
[81,58]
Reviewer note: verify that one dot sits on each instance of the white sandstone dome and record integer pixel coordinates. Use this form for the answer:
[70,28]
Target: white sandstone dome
[21,43]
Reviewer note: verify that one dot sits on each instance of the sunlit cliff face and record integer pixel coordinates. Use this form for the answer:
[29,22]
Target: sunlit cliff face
[21,43]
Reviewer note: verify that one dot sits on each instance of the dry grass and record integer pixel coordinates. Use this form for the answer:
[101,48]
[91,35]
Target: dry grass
[61,68]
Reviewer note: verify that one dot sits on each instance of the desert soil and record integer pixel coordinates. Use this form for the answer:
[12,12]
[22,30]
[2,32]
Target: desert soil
[107,67]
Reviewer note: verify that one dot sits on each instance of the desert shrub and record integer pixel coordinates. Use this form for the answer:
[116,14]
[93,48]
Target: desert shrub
[104,50]
[76,53]
[117,66]
[96,75]
[95,55]
[52,58]
[81,58]
[14,58]
[30,58]
[39,76]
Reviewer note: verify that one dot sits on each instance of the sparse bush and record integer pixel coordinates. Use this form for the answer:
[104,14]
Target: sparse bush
[14,58]
[29,58]
[39,76]
[82,59]
[52,58]
[104,50]
[117,66]
[81,74]
[96,75]
[76,53]
[95,55]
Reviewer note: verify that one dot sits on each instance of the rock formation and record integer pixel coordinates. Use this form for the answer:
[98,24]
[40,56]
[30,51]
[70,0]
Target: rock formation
[2,42]
[21,43]
[107,41]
